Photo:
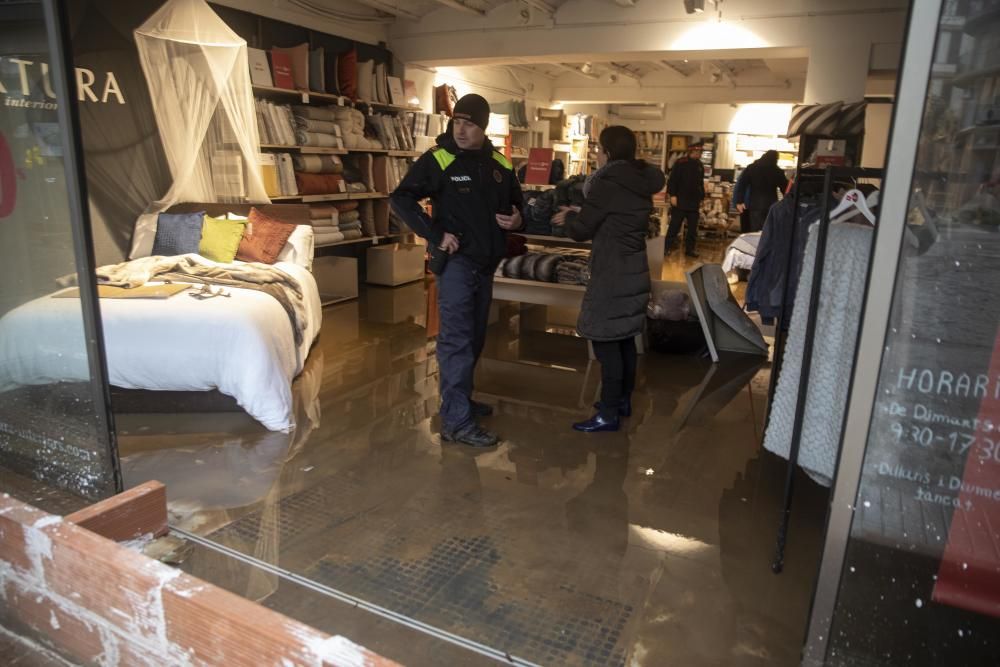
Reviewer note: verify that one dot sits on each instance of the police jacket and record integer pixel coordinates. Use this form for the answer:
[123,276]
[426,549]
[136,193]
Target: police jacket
[687,183]
[467,189]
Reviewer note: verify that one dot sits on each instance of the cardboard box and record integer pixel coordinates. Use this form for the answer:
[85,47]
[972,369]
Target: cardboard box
[392,305]
[336,278]
[395,264]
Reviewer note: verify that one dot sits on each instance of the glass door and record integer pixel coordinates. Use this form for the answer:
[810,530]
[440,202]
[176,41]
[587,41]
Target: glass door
[911,570]
[55,423]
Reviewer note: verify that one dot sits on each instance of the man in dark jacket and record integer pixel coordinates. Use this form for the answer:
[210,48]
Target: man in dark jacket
[765,180]
[476,200]
[686,188]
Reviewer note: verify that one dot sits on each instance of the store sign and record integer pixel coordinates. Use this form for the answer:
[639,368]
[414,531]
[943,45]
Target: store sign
[539,166]
[932,477]
[27,84]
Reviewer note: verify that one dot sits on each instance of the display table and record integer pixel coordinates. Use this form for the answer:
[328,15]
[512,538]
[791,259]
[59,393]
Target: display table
[558,294]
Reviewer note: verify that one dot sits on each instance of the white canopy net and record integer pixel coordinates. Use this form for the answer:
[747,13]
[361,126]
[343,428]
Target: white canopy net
[199,81]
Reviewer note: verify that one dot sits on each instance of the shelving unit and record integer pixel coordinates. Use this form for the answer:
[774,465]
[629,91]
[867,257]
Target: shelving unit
[309,96]
[336,265]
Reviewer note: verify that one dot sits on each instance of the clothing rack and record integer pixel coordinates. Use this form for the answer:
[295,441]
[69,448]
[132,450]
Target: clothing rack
[829,174]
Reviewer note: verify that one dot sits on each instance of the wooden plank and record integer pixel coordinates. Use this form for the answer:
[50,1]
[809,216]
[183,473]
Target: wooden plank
[134,513]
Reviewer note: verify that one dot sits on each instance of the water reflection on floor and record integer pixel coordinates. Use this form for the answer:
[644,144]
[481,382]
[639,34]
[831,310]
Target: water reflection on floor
[646,547]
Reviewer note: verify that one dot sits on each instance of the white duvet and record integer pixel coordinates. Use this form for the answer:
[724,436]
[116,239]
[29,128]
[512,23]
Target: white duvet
[242,345]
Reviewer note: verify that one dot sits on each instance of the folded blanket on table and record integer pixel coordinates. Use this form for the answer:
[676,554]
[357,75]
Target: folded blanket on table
[321,126]
[191,269]
[349,216]
[318,184]
[318,164]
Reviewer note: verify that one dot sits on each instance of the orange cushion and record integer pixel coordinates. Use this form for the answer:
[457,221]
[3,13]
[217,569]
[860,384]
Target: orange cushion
[263,238]
[345,206]
[318,184]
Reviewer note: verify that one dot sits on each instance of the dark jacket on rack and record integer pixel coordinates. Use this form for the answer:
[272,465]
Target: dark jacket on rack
[616,216]
[764,179]
[766,289]
[468,189]
[687,183]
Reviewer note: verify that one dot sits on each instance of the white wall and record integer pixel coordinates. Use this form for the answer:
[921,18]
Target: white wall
[878,117]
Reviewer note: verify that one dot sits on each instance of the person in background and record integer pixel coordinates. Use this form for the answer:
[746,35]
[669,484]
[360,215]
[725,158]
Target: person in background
[476,201]
[741,197]
[765,180]
[686,189]
[615,215]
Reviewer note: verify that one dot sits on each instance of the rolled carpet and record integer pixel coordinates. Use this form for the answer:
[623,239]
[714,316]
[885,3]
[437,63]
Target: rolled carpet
[321,126]
[304,138]
[315,113]
[318,164]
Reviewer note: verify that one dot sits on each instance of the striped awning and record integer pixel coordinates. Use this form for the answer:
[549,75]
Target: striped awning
[836,119]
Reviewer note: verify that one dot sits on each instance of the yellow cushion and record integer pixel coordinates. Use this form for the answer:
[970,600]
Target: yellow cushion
[220,239]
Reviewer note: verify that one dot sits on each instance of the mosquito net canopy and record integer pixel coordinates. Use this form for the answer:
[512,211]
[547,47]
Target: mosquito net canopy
[199,81]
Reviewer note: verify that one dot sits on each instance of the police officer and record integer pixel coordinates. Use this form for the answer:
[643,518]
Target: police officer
[476,200]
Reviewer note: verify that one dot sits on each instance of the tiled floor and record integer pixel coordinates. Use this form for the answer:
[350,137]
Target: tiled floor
[646,547]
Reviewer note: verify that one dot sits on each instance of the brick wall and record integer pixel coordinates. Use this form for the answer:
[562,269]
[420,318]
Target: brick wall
[97,602]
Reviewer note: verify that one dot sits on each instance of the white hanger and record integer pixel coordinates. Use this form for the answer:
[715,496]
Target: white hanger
[853,199]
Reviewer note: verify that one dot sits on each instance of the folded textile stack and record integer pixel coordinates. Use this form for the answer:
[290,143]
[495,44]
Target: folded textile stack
[514,109]
[392,131]
[317,126]
[324,215]
[278,174]
[275,123]
[349,220]
[352,126]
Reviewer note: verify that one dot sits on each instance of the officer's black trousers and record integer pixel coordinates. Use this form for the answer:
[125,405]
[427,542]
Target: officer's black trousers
[465,291]
[677,218]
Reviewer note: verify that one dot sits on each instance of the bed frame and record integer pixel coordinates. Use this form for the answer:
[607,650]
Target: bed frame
[129,401]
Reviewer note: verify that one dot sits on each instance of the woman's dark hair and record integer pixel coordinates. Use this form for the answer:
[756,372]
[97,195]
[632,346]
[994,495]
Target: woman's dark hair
[618,142]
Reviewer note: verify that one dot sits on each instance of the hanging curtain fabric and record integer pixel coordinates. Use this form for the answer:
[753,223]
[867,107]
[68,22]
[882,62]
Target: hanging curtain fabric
[198,75]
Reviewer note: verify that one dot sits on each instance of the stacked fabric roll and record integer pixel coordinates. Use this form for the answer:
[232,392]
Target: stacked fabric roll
[317,126]
[546,267]
[319,174]
[350,220]
[573,272]
[325,223]
[352,126]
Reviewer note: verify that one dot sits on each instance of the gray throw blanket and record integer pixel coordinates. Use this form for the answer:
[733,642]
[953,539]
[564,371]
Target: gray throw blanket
[186,269]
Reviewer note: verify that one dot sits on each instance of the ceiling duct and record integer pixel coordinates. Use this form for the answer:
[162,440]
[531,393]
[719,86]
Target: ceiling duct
[638,111]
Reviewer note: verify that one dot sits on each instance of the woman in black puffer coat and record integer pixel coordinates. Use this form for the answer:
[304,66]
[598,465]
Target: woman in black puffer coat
[615,214]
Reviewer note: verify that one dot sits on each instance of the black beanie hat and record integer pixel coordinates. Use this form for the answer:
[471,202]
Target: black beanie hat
[473,108]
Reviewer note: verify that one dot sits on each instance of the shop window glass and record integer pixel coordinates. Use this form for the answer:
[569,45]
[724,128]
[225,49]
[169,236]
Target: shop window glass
[921,580]
[53,424]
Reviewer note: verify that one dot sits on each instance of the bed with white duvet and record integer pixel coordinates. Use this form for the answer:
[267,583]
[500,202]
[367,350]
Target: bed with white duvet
[242,344]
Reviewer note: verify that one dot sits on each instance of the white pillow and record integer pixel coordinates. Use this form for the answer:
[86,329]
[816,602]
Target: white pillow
[299,247]
[144,235]
[233,216]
